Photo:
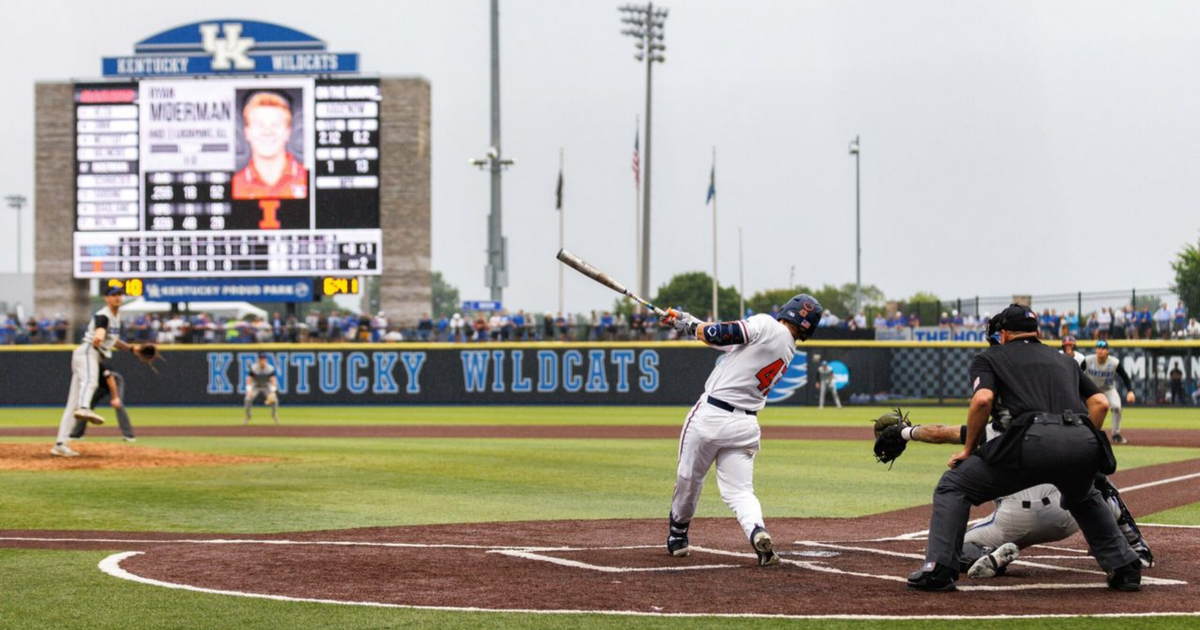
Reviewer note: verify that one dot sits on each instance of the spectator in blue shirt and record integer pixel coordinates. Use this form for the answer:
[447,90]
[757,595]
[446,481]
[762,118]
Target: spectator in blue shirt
[608,326]
[1180,318]
[424,327]
[518,322]
[1145,323]
[1071,322]
[443,324]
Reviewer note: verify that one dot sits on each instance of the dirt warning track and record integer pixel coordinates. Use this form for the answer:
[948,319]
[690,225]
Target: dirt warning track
[832,567]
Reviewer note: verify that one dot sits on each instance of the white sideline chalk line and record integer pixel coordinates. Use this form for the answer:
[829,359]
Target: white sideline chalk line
[112,566]
[603,569]
[913,556]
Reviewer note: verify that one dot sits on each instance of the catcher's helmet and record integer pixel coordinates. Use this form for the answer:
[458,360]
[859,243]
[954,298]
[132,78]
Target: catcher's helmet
[805,312]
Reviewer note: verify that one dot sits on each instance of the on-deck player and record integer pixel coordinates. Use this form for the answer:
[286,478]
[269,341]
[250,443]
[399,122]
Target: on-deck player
[1103,370]
[722,426]
[261,380]
[102,335]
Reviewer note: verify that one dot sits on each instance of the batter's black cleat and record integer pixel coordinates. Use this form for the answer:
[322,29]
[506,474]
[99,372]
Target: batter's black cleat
[933,578]
[764,547]
[677,538]
[1127,578]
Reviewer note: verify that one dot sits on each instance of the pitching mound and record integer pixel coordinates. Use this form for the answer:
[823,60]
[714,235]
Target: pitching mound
[110,456]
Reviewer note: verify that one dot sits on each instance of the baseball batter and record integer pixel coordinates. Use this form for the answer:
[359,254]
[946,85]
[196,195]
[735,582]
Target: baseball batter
[102,335]
[722,426]
[1104,370]
[261,380]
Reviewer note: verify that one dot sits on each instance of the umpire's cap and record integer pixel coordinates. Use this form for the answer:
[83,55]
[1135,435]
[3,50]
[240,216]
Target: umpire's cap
[804,311]
[1017,318]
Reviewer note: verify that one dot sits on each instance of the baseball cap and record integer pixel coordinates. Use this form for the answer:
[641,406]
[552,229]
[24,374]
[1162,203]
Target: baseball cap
[114,290]
[1018,318]
[1102,344]
[1068,340]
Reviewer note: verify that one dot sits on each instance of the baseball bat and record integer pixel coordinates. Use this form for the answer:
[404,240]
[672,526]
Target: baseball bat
[580,265]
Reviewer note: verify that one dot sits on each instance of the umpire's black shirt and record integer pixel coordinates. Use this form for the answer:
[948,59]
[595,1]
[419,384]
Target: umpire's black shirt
[1030,376]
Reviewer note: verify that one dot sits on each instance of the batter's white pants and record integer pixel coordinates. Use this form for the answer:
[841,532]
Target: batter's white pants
[829,387]
[731,439]
[85,377]
[1114,408]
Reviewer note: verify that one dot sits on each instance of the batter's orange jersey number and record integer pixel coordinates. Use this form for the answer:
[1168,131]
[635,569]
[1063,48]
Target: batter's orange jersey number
[767,376]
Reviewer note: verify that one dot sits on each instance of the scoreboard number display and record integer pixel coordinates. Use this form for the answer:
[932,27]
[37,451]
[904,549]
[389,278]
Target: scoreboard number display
[227,178]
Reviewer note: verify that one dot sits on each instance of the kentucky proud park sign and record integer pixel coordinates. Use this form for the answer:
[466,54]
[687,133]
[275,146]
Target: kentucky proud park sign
[229,47]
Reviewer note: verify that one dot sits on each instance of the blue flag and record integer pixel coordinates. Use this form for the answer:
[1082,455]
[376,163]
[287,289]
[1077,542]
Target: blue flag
[712,185]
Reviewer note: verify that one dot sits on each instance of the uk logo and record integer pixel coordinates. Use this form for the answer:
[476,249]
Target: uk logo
[795,378]
[230,51]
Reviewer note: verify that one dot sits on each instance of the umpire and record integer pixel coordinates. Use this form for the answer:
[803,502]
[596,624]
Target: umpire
[112,385]
[1053,437]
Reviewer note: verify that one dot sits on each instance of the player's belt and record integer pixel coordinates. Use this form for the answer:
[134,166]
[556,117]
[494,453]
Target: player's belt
[721,404]
[1028,504]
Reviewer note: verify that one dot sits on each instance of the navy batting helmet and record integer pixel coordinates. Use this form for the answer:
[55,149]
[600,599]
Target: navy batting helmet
[805,312]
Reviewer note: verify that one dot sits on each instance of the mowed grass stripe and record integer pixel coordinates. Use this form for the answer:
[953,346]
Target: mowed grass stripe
[1134,417]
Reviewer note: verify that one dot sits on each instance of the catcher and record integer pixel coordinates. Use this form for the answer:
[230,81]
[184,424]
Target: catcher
[1030,517]
[261,380]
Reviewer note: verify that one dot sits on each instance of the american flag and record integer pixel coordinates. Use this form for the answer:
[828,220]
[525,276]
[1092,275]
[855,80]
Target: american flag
[637,162]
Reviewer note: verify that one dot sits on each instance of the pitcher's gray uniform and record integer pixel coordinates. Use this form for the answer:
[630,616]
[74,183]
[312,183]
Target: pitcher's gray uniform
[85,371]
[261,380]
[1104,375]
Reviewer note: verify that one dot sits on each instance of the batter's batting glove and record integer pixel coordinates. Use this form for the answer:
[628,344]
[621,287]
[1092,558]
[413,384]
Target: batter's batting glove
[682,321]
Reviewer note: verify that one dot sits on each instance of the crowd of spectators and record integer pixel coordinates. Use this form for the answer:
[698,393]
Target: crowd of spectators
[1121,323]
[339,327]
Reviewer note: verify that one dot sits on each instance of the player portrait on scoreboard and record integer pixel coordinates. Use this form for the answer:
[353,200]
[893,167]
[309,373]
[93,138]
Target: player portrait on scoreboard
[270,149]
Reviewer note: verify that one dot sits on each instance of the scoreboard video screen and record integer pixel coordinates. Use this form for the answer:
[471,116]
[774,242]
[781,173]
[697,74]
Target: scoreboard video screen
[227,178]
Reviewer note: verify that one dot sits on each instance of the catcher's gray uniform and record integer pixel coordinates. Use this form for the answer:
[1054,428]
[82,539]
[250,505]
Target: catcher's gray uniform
[261,383]
[1035,516]
[85,368]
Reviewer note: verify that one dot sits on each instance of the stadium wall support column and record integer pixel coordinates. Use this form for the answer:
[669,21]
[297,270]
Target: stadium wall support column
[54,289]
[405,290]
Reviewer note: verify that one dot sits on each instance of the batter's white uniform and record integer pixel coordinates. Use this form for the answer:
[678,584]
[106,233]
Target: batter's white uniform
[742,379]
[1104,376]
[260,383]
[85,367]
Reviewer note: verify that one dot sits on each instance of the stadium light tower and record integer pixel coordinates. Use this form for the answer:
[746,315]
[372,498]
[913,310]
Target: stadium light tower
[646,27]
[496,272]
[17,202]
[857,231]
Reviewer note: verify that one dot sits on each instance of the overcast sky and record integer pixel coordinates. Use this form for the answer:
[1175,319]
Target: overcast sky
[1007,147]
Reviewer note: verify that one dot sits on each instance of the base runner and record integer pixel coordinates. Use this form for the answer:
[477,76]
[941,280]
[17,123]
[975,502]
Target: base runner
[261,380]
[722,426]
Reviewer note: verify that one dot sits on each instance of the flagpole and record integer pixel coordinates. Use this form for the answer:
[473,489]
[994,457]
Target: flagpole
[716,316]
[741,279]
[561,232]
[637,205]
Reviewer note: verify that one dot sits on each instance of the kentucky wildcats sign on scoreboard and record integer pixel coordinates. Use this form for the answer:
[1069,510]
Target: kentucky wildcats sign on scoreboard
[227,47]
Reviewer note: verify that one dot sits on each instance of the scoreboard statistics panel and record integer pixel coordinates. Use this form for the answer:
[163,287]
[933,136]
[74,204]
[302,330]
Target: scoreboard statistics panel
[227,178]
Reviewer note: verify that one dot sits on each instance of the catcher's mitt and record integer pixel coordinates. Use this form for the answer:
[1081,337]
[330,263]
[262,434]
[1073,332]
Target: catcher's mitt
[148,353]
[889,445]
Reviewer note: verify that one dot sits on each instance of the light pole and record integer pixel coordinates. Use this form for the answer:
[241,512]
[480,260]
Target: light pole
[857,231]
[17,202]
[646,27]
[496,272]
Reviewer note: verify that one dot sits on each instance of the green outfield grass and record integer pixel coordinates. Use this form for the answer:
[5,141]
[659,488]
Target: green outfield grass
[1135,417]
[325,483]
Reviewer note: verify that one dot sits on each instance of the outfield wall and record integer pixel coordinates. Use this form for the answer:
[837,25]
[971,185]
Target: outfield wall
[670,373]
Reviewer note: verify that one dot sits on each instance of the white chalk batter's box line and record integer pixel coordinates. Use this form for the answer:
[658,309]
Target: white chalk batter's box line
[112,566]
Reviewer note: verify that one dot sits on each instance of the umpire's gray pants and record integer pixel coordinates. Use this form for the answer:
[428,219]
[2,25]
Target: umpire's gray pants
[1061,455]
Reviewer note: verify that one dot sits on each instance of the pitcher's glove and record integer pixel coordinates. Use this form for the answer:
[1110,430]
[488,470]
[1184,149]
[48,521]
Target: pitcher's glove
[889,444]
[148,353]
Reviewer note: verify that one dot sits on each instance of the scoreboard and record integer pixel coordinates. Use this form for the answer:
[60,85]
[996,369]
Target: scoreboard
[227,178]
